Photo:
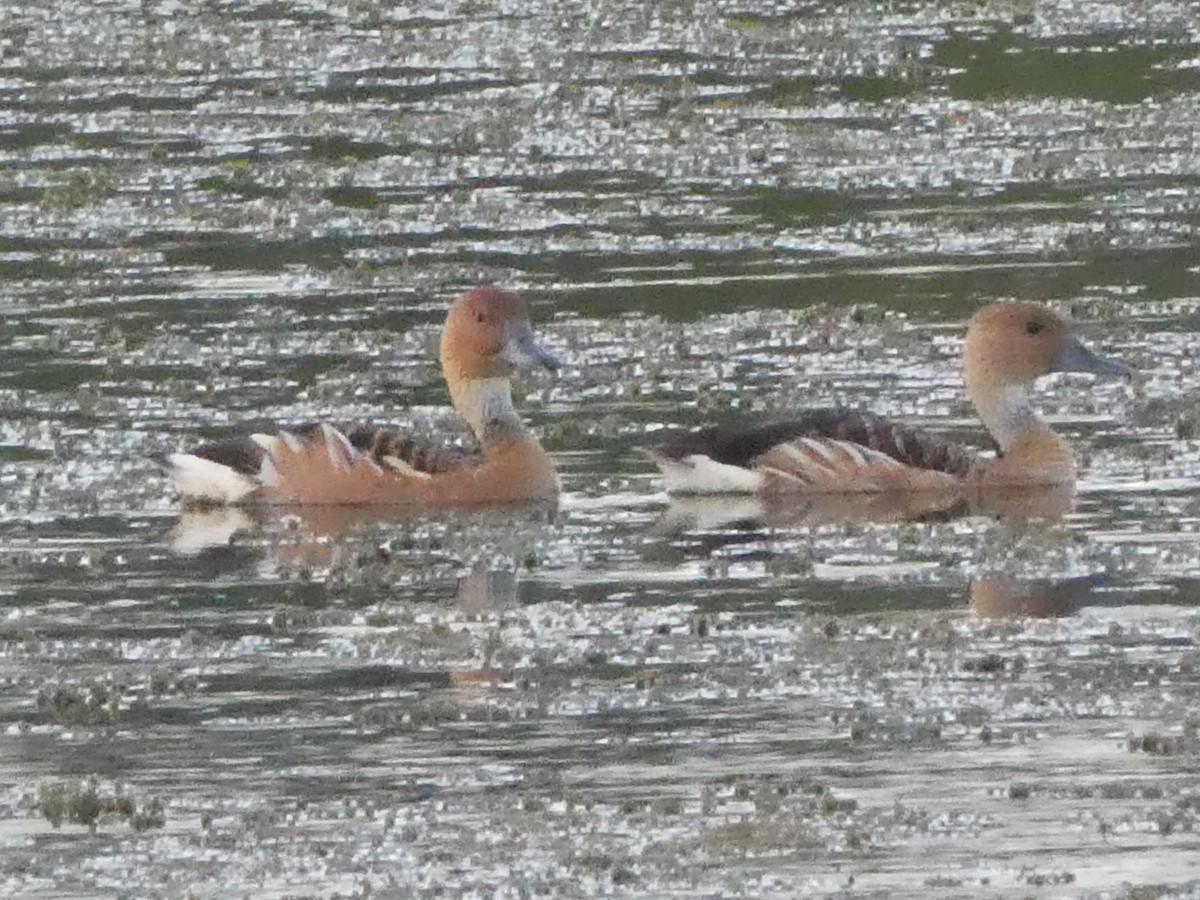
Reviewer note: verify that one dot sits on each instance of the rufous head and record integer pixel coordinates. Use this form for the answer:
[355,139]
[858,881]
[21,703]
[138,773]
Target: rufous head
[488,335]
[1013,344]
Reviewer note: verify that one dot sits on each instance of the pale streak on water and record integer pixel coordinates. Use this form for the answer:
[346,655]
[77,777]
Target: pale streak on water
[222,217]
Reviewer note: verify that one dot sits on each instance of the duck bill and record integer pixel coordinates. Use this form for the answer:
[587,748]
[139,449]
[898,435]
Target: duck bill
[522,350]
[1072,356]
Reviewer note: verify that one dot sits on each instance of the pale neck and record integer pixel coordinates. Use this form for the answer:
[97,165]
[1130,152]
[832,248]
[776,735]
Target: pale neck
[1030,453]
[486,405]
[1007,413]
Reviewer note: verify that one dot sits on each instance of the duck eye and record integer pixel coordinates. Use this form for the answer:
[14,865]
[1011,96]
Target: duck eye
[1034,327]
[480,318]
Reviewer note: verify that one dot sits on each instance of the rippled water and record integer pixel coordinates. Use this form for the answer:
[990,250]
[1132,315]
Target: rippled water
[226,217]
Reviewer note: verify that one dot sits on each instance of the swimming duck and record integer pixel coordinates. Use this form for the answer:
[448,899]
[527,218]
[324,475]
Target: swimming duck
[1008,347]
[487,337]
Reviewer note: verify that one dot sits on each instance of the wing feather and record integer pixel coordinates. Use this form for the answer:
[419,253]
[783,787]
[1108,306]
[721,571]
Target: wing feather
[829,450]
[317,463]
[738,444]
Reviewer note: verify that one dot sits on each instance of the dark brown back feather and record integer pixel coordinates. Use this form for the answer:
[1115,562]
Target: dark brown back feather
[423,454]
[738,445]
[241,454]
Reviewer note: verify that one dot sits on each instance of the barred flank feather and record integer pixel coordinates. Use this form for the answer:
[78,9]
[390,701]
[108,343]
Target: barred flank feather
[737,445]
[229,470]
[423,455]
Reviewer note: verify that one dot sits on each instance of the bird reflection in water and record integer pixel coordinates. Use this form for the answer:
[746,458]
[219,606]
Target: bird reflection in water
[1019,507]
[722,522]
[329,539]
[1005,596]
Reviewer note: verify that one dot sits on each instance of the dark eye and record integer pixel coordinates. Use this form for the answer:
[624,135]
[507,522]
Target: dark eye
[480,318]
[1033,326]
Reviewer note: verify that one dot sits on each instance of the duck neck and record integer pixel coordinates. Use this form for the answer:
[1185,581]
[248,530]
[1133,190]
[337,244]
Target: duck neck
[1008,414]
[486,405]
[1029,449]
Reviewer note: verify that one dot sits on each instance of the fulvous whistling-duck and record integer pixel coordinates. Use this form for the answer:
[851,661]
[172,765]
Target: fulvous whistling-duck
[1008,346]
[487,337]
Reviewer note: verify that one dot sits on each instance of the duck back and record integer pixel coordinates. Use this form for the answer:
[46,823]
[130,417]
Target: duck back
[741,445]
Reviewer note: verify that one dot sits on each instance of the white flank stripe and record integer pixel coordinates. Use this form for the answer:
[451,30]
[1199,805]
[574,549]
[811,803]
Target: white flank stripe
[804,461]
[290,441]
[338,448]
[268,474]
[400,467]
[780,473]
[820,448]
[858,454]
[881,458]
[792,452]
[267,442]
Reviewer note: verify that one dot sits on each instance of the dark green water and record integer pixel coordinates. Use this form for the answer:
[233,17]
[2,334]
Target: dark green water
[234,216]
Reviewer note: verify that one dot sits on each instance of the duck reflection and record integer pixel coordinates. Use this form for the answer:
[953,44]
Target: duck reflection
[477,553]
[1013,506]
[461,568]
[717,525]
[314,531]
[1006,596]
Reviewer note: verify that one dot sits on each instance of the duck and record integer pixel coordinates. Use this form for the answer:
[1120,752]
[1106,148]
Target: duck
[487,338]
[1008,347]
